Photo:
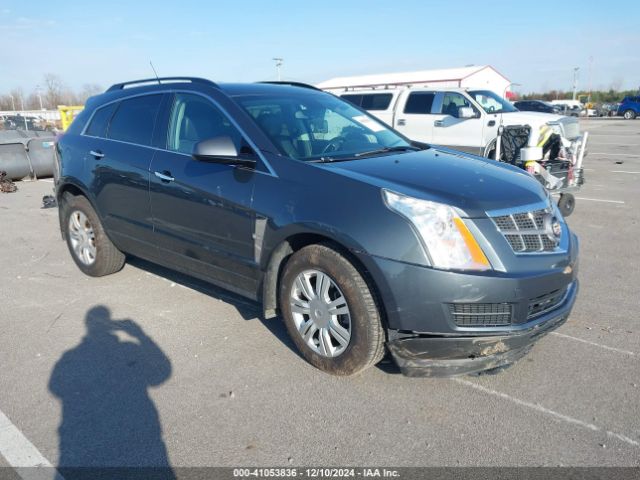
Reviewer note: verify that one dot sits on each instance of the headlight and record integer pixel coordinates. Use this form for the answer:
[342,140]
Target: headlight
[556,128]
[448,241]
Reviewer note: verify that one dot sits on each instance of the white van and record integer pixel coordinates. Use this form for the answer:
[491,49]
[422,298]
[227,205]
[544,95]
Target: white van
[462,119]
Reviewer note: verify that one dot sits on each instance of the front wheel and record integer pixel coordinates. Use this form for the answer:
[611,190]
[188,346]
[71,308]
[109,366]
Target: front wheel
[566,204]
[330,311]
[629,115]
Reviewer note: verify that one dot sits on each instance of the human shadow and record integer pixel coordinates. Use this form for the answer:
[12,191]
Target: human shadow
[108,419]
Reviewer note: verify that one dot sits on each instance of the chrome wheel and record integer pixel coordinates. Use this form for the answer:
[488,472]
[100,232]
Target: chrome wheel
[320,313]
[82,237]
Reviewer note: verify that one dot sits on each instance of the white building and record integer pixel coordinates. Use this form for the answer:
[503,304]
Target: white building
[479,77]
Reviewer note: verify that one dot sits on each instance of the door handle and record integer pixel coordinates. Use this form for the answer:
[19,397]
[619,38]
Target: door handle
[97,154]
[438,123]
[164,176]
[401,122]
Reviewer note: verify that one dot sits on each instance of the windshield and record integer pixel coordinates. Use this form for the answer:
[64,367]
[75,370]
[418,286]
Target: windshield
[491,102]
[317,126]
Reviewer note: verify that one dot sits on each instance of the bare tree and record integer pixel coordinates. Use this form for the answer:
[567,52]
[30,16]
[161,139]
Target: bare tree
[53,90]
[88,90]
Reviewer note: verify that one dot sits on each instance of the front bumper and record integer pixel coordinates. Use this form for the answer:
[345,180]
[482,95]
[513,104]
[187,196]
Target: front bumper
[427,356]
[426,338]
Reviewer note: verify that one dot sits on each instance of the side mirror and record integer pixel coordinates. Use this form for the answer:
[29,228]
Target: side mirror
[220,150]
[466,112]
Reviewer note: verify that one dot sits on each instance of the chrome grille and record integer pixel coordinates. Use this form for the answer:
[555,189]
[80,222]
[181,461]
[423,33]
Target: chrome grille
[481,314]
[527,232]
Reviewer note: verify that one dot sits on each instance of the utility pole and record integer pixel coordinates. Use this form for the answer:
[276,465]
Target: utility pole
[590,68]
[279,62]
[39,96]
[24,117]
[13,103]
[575,81]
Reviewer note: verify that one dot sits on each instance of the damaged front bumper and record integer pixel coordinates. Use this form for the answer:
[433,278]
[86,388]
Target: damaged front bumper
[447,356]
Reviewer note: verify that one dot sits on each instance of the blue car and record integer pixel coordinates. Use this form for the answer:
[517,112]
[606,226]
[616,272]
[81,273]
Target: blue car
[629,108]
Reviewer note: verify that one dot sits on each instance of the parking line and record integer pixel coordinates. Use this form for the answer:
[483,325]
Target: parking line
[615,154]
[600,200]
[613,349]
[617,143]
[622,171]
[546,411]
[19,452]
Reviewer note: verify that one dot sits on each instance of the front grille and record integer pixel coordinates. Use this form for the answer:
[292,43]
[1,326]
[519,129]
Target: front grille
[545,303]
[481,314]
[527,232]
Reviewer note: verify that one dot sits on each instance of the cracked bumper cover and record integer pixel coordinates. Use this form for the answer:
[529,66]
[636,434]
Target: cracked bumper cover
[432,356]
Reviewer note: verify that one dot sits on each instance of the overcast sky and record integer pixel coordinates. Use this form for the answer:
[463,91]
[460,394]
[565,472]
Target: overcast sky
[534,43]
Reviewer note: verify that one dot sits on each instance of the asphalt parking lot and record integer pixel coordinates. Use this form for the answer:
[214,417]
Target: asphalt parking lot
[196,377]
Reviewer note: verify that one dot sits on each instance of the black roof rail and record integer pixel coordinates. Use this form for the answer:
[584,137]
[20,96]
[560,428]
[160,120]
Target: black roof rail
[120,86]
[293,84]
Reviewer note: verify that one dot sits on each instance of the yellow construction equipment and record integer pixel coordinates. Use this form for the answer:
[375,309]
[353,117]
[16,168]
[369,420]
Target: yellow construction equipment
[68,113]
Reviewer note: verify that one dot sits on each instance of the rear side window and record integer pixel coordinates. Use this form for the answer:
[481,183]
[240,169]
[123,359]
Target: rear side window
[100,121]
[134,120]
[355,99]
[376,101]
[370,101]
[419,102]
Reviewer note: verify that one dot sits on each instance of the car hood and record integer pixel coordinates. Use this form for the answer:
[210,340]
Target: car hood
[515,118]
[473,184]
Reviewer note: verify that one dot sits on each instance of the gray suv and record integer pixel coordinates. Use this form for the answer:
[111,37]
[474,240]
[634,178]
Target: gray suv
[361,240]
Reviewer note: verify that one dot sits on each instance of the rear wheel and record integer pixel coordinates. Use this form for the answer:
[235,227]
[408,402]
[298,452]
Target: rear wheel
[88,243]
[330,311]
[566,204]
[629,115]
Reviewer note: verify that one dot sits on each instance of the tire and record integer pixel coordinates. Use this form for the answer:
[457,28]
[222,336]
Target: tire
[84,230]
[566,204]
[360,316]
[629,115]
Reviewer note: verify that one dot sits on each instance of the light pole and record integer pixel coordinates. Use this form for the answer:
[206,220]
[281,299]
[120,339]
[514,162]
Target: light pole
[13,103]
[24,117]
[39,96]
[575,81]
[590,68]
[278,61]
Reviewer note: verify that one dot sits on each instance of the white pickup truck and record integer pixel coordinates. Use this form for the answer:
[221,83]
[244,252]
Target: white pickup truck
[464,119]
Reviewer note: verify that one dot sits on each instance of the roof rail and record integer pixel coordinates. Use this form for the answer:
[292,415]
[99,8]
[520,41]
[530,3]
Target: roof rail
[121,86]
[293,84]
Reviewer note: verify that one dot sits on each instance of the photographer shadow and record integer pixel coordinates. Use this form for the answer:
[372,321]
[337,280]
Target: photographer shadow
[108,418]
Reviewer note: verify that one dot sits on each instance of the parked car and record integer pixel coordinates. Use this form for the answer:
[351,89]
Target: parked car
[629,107]
[537,106]
[358,237]
[462,119]
[608,109]
[569,110]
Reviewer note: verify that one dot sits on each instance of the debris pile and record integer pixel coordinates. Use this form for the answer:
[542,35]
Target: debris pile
[6,185]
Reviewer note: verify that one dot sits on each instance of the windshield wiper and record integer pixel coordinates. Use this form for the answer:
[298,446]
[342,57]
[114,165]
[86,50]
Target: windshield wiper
[402,148]
[355,156]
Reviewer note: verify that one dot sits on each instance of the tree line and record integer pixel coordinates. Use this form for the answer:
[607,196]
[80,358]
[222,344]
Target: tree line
[52,92]
[597,96]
